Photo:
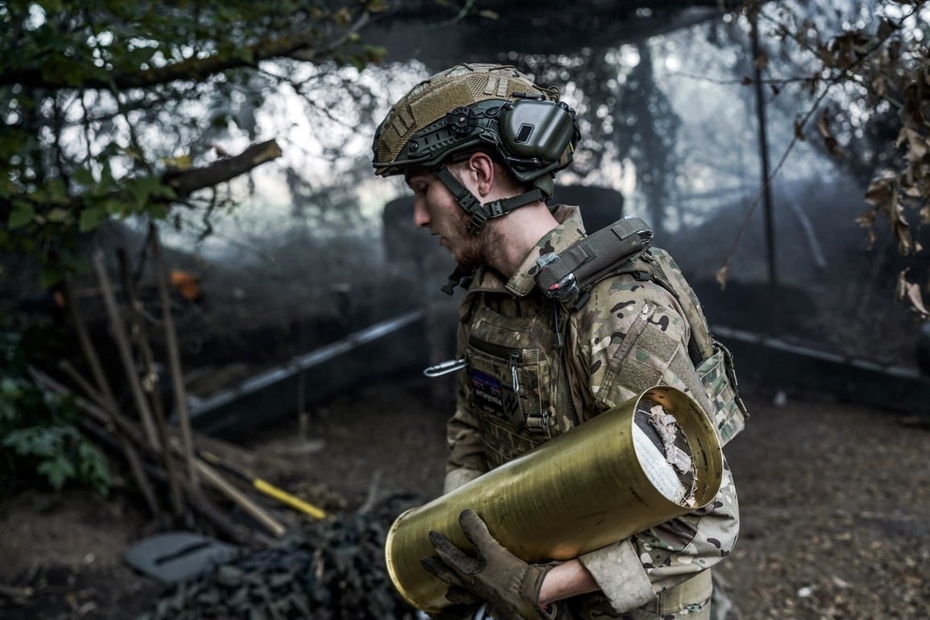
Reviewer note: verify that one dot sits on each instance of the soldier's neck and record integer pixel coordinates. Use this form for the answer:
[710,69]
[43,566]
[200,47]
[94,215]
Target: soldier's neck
[513,236]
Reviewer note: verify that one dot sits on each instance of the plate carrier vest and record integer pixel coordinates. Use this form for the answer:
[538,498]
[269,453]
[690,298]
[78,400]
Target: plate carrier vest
[516,368]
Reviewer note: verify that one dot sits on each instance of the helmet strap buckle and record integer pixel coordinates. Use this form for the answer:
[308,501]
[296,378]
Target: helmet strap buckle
[481,213]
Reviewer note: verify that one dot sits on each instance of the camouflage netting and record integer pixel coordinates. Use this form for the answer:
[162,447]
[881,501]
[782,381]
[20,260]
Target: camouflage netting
[331,570]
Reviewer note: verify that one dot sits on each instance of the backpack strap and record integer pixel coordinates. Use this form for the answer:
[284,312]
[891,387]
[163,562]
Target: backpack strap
[624,248]
[566,276]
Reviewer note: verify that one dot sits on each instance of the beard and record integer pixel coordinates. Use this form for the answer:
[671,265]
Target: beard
[470,250]
[473,251]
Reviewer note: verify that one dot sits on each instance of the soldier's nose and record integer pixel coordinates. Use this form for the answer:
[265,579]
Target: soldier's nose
[420,215]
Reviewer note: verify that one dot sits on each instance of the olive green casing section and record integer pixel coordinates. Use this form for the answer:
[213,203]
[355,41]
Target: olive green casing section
[576,493]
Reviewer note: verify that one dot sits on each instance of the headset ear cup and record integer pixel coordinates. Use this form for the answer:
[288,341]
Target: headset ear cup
[536,133]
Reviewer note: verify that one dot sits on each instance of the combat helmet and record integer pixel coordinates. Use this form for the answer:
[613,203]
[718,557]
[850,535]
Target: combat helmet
[473,107]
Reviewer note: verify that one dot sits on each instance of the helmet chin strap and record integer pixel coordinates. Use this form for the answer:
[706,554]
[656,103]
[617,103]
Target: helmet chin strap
[481,213]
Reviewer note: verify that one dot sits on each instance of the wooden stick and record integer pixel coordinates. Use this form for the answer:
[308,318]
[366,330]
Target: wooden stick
[135,317]
[105,395]
[82,383]
[257,512]
[201,504]
[131,430]
[87,347]
[236,533]
[174,356]
[212,476]
[122,345]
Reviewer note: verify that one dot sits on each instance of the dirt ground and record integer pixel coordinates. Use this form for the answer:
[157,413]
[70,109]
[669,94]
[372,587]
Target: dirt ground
[834,500]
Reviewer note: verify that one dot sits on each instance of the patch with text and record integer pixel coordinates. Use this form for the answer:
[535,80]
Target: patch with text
[491,395]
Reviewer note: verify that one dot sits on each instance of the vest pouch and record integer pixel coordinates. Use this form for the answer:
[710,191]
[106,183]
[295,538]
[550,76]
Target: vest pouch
[719,380]
[504,383]
[516,372]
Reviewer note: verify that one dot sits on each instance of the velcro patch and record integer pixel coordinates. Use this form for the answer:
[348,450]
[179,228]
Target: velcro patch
[491,396]
[431,107]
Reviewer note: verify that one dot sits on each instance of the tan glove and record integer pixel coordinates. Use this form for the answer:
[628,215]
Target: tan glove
[507,583]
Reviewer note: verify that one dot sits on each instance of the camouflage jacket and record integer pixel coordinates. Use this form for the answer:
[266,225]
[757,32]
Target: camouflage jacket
[631,572]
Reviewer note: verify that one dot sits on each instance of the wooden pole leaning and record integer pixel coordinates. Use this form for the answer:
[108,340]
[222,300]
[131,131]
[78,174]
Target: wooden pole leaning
[151,385]
[125,353]
[104,396]
[174,357]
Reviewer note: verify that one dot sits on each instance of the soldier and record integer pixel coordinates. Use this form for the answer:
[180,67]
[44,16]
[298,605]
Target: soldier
[543,350]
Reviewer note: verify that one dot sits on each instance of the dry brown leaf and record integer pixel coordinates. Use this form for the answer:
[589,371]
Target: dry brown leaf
[900,287]
[879,86]
[880,191]
[722,274]
[823,124]
[826,56]
[917,144]
[911,292]
[867,219]
[829,140]
[885,28]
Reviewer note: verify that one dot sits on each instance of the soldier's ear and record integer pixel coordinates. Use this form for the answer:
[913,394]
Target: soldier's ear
[482,167]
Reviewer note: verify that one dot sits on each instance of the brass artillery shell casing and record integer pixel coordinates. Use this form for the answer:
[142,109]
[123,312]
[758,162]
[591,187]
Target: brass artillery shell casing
[592,486]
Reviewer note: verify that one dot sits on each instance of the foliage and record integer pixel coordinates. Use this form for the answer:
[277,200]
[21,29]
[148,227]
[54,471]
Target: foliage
[102,102]
[867,77]
[38,430]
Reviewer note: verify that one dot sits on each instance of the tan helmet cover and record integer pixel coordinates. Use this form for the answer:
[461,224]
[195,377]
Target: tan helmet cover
[430,100]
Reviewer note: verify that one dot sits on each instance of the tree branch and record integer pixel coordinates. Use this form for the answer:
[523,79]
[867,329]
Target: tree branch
[302,46]
[187,182]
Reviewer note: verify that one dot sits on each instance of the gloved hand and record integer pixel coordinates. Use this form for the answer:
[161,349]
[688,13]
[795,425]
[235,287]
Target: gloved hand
[508,584]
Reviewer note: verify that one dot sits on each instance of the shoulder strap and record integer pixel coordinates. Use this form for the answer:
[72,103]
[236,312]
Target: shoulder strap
[566,275]
[667,274]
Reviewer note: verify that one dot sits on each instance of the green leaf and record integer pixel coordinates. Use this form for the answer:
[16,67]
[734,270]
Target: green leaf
[158,211]
[21,215]
[91,218]
[244,54]
[92,466]
[57,470]
[51,6]
[50,277]
[11,391]
[144,188]
[58,215]
[83,176]
[34,441]
[57,192]
[115,207]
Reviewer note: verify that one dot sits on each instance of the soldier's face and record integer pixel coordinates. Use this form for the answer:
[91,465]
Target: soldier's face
[435,208]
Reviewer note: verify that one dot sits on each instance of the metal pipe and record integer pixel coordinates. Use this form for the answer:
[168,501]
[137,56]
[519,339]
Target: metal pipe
[771,256]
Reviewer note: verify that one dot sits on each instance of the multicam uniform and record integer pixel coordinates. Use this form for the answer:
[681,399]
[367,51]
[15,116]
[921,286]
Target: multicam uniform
[536,370]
